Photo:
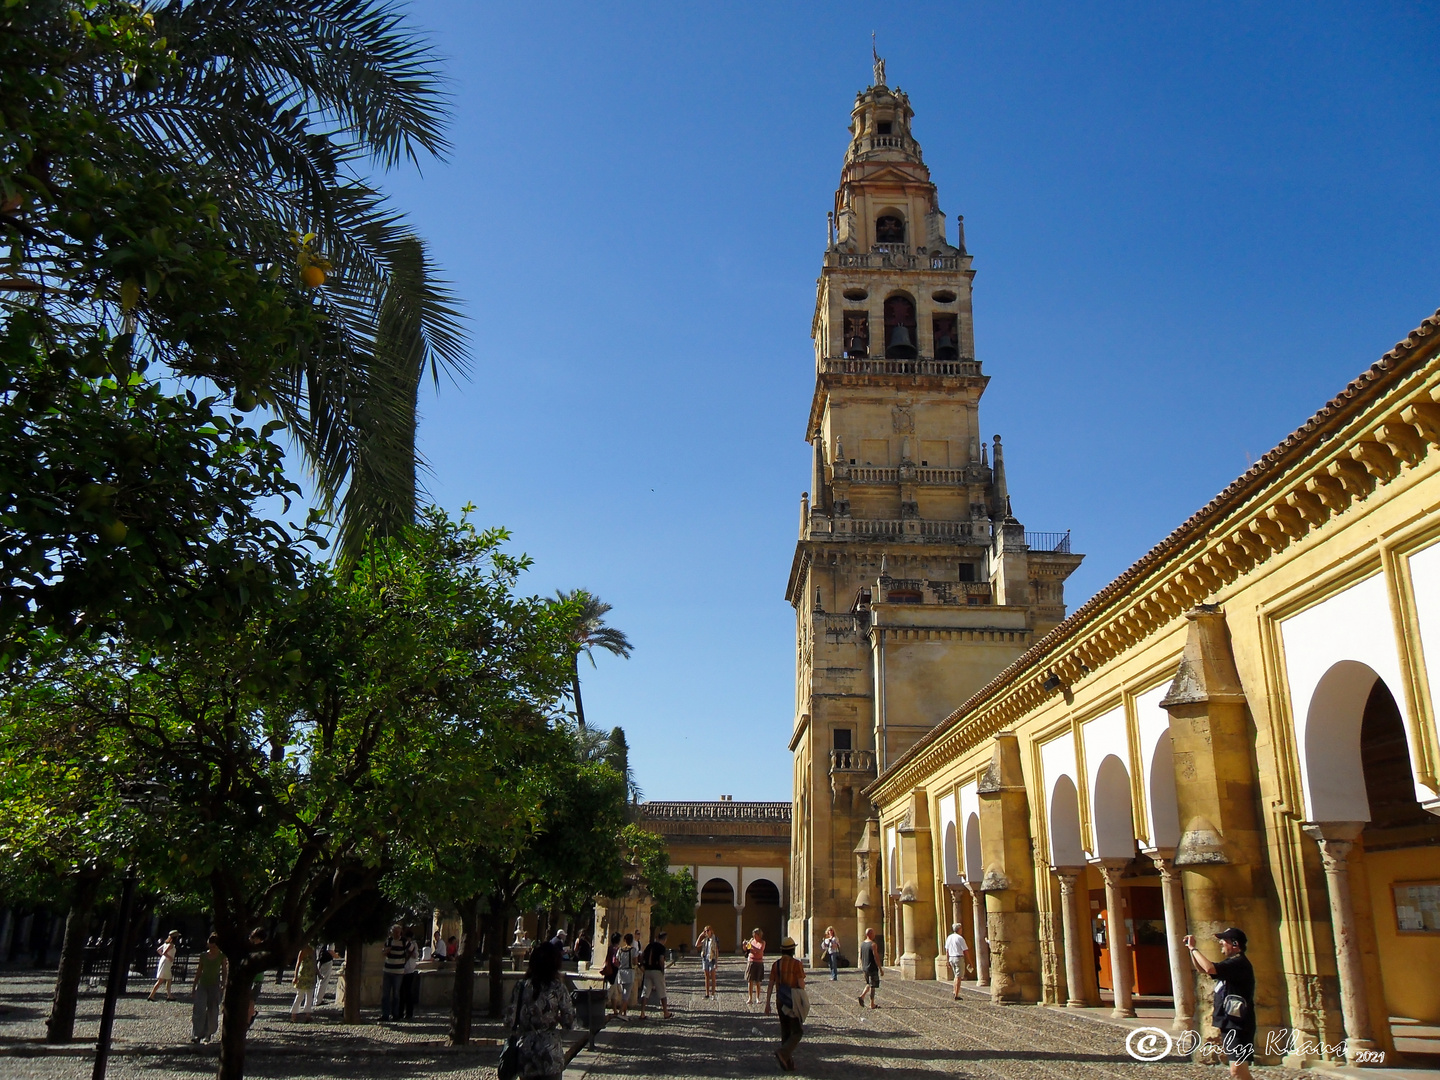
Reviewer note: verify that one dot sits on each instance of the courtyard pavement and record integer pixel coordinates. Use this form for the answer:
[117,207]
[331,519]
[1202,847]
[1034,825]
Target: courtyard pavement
[918,1033]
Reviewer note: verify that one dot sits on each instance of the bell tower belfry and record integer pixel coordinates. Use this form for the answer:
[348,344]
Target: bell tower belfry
[913,584]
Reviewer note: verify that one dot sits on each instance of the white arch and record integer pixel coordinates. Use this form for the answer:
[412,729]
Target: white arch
[1352,626]
[1065,846]
[968,807]
[1113,813]
[1106,735]
[974,865]
[950,851]
[772,874]
[1156,769]
[1332,743]
[1160,791]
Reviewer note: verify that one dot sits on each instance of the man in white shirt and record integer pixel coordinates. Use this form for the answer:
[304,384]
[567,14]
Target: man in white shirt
[955,949]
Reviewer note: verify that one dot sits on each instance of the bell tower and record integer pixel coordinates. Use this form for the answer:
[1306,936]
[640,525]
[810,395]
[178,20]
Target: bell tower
[912,583]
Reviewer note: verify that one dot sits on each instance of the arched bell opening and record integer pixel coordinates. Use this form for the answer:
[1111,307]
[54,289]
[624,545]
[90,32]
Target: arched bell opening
[900,328]
[857,334]
[947,339]
[890,228]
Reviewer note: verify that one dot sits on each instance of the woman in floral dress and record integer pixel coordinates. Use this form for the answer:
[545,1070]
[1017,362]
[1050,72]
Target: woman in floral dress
[542,1006]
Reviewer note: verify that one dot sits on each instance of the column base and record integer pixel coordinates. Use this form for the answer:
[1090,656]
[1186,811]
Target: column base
[1122,1014]
[917,969]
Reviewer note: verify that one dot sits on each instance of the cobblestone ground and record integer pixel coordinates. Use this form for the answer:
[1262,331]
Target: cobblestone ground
[917,1033]
[151,1040]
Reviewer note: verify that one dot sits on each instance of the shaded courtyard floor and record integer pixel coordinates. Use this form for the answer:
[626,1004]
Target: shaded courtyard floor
[918,1033]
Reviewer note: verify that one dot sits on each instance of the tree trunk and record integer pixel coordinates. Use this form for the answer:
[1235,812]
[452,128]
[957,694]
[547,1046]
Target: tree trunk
[462,998]
[499,917]
[354,953]
[60,1027]
[575,683]
[235,1022]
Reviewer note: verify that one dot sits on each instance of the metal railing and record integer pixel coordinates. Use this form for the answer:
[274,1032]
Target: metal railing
[1049,541]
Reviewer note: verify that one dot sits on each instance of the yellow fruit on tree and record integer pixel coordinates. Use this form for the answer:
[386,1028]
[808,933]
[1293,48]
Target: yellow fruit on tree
[313,277]
[113,532]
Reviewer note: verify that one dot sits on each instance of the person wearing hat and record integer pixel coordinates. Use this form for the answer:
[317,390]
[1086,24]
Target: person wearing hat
[1234,1014]
[787,978]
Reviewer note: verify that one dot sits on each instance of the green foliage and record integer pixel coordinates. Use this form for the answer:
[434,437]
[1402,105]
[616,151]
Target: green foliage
[675,894]
[159,164]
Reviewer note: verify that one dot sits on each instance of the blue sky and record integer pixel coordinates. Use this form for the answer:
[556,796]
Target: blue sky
[1192,225]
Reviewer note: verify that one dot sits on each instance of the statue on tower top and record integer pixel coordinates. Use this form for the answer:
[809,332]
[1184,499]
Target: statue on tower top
[879,62]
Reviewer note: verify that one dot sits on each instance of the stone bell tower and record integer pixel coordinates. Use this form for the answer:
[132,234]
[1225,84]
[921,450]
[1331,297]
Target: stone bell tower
[913,584]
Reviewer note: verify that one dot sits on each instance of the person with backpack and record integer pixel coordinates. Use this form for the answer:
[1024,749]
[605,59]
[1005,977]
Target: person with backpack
[541,1007]
[787,981]
[610,971]
[870,966]
[1234,1013]
[627,958]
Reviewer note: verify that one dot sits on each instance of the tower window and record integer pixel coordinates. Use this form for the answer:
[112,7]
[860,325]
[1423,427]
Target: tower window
[882,127]
[899,328]
[889,229]
[857,334]
[947,345]
[967,571]
[842,738]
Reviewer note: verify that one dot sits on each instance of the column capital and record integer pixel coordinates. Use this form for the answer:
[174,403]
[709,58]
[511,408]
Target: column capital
[1164,860]
[1336,840]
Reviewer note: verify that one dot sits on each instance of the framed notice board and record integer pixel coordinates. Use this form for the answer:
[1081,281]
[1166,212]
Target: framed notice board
[1417,907]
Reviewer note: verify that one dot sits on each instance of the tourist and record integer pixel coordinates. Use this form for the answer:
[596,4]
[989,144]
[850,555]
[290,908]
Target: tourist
[212,972]
[452,947]
[609,971]
[541,1006]
[708,946]
[437,946]
[787,979]
[307,974]
[410,978]
[559,942]
[583,950]
[1234,1011]
[627,958]
[257,946]
[397,951]
[830,949]
[869,966]
[165,967]
[325,972]
[652,961]
[955,951]
[754,965]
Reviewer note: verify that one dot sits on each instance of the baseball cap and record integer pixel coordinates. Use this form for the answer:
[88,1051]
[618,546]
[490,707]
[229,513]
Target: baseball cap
[1233,935]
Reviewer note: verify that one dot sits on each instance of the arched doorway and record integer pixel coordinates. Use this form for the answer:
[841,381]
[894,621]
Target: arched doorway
[1382,858]
[762,911]
[717,910]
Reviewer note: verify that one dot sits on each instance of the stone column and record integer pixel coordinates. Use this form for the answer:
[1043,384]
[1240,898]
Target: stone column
[739,920]
[1182,974]
[1222,854]
[1122,968]
[1077,940]
[1009,881]
[1336,840]
[867,871]
[917,890]
[982,937]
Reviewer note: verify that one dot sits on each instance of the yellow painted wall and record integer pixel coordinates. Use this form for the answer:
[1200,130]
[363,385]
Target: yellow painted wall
[1409,963]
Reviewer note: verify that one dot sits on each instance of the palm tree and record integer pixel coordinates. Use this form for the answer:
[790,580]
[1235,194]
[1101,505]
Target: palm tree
[278,108]
[590,633]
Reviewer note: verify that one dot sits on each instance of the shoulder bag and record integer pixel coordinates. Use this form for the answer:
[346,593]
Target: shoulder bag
[510,1066]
